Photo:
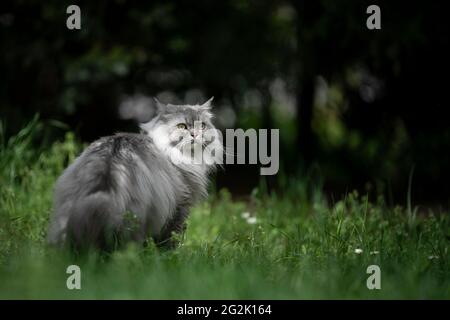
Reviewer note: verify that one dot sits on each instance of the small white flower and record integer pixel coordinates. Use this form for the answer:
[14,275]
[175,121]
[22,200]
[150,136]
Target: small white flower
[433,257]
[358,251]
[372,253]
[251,220]
[245,215]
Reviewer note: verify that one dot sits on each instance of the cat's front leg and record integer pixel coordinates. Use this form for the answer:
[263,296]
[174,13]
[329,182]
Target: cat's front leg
[177,225]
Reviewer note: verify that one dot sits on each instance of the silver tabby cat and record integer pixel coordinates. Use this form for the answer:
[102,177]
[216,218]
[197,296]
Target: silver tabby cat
[129,187]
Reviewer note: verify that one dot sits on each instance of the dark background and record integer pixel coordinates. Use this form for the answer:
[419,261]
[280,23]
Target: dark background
[357,108]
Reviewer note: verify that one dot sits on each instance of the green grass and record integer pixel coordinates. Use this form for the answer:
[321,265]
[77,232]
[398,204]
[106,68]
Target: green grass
[296,249]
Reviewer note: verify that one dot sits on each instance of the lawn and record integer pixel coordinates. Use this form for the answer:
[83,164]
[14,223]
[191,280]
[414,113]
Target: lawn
[268,246]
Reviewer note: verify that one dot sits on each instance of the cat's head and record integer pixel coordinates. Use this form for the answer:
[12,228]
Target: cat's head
[186,133]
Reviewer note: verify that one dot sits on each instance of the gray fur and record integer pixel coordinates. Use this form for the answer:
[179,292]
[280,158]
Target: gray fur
[125,187]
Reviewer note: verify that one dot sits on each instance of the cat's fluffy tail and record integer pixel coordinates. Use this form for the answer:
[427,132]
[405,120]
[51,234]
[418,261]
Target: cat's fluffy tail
[94,221]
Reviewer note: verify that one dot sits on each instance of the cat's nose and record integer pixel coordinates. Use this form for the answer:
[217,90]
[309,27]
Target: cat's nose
[194,134]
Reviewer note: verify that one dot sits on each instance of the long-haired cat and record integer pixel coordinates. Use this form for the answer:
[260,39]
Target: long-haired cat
[129,187]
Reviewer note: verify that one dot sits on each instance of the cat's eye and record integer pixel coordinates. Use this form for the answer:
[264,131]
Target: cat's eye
[182,126]
[203,126]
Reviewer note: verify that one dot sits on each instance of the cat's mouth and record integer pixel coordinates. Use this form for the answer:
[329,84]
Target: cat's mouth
[192,142]
[196,143]
[189,143]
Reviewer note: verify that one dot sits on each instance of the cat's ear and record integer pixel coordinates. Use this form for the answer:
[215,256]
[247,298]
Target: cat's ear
[207,104]
[159,105]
